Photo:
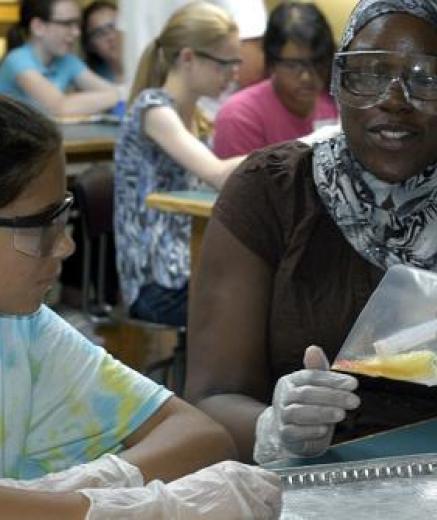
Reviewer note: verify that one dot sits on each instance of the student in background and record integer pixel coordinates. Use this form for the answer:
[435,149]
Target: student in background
[160,149]
[100,40]
[66,403]
[251,18]
[40,67]
[294,101]
[141,21]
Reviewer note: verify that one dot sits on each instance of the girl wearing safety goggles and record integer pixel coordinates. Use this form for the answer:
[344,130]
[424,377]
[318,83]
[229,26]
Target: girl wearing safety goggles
[100,40]
[68,408]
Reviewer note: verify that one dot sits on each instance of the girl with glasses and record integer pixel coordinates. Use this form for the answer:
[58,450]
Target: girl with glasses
[78,427]
[293,101]
[162,147]
[101,42]
[41,67]
[301,237]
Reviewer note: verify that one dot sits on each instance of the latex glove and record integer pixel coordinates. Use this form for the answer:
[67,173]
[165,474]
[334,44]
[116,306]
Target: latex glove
[108,471]
[306,406]
[321,134]
[228,490]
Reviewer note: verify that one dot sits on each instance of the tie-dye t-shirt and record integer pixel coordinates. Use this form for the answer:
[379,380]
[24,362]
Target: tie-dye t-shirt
[63,400]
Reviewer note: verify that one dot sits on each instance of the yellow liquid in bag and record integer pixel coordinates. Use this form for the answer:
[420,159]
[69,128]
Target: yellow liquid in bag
[415,366]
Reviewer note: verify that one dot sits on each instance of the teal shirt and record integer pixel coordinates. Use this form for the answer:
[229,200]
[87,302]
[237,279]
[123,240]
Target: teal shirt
[62,71]
[63,400]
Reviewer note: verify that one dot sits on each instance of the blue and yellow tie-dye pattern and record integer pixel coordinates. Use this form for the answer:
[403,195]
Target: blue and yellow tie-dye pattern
[63,400]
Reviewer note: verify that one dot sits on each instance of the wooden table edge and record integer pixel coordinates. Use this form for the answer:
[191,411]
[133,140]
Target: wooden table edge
[91,145]
[173,204]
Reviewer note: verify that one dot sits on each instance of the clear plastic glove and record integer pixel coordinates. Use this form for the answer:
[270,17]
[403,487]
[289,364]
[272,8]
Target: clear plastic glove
[108,471]
[306,406]
[228,490]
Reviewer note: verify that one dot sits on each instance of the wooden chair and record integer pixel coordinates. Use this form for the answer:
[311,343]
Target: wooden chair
[94,192]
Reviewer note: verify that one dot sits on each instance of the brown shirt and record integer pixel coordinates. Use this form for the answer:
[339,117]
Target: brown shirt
[321,283]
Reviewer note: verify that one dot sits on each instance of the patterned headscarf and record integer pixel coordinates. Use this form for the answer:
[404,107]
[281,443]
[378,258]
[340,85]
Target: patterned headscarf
[406,232]
[367,10]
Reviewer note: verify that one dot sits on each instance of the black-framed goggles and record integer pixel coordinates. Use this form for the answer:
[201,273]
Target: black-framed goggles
[226,63]
[37,235]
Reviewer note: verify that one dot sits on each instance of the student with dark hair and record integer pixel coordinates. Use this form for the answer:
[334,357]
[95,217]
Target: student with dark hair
[40,67]
[100,40]
[293,101]
[303,24]
[77,426]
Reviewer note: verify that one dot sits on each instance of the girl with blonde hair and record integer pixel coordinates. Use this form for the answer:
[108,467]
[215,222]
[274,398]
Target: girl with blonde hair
[162,148]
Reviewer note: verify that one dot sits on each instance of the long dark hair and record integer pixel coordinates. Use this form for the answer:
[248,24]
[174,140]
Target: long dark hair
[303,24]
[28,139]
[29,9]
[93,60]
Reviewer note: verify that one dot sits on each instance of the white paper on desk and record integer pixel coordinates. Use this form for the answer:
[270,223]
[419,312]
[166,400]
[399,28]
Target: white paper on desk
[94,118]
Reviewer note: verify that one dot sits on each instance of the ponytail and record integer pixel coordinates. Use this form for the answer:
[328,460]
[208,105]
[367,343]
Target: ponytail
[151,71]
[197,25]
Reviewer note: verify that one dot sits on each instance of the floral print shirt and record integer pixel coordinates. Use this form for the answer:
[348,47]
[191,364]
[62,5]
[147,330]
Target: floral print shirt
[152,245]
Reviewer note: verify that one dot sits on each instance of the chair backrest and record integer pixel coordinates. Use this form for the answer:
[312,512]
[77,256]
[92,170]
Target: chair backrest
[94,192]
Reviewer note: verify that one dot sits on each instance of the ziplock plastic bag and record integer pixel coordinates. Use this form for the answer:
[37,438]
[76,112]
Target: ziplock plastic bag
[395,336]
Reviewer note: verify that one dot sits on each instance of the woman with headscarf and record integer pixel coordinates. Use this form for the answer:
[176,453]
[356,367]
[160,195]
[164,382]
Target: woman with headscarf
[300,238]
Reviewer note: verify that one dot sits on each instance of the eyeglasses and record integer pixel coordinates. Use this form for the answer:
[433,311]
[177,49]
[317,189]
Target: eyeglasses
[37,235]
[364,79]
[297,66]
[68,23]
[223,62]
[101,32]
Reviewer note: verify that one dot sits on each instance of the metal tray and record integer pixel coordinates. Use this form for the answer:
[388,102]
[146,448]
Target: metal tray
[401,488]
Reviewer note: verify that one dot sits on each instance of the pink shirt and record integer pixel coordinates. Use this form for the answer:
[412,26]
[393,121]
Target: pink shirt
[255,117]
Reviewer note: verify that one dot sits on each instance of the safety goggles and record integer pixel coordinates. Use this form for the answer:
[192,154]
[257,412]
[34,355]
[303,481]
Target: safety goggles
[69,23]
[297,66]
[38,235]
[225,63]
[98,33]
[363,79]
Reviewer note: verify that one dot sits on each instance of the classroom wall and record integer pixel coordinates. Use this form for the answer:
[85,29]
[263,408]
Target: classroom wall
[336,11]
[8,16]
